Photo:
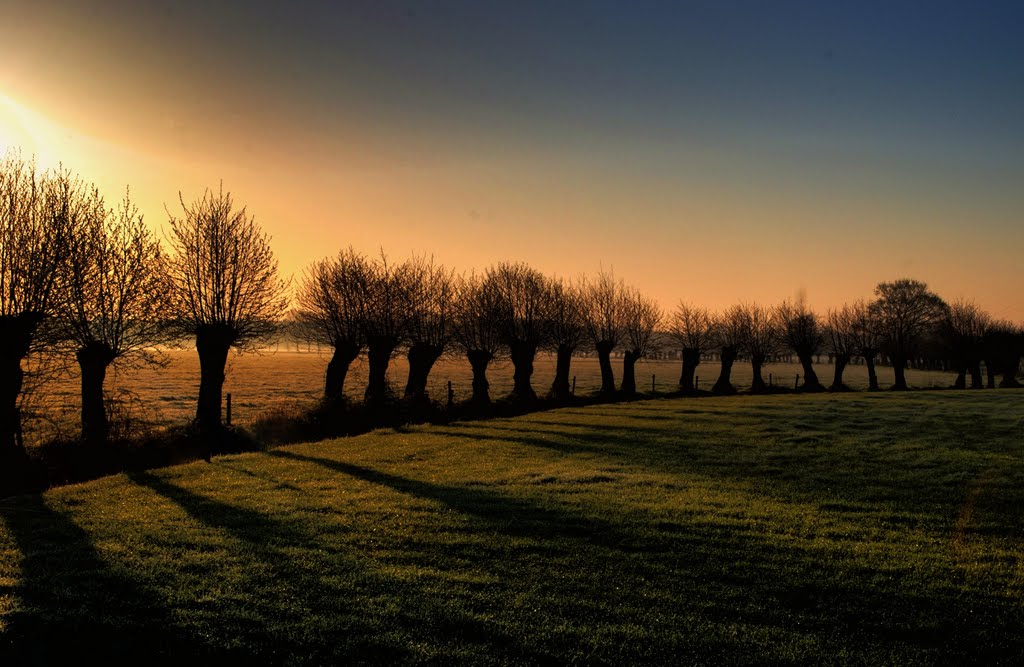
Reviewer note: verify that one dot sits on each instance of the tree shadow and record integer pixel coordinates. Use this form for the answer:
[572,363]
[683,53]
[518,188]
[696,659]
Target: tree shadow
[75,604]
[780,587]
[323,624]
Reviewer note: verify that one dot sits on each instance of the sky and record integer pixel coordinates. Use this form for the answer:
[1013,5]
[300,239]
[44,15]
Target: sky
[713,152]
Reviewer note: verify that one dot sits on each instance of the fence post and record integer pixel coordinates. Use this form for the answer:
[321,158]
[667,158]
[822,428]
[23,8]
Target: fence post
[227,416]
[451,394]
[769,379]
[573,385]
[796,383]
[652,383]
[696,383]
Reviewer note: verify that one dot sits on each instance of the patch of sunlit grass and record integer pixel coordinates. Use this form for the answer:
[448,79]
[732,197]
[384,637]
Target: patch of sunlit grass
[866,528]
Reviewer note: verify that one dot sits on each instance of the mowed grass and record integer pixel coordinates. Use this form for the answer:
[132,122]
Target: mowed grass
[860,528]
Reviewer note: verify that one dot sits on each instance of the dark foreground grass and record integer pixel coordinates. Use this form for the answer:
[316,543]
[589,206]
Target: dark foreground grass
[827,528]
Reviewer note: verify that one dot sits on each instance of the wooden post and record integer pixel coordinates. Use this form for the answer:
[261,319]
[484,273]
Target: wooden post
[227,416]
[573,385]
[796,383]
[652,383]
[769,379]
[451,395]
[696,383]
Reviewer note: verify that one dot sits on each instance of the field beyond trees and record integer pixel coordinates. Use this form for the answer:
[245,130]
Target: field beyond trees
[850,527]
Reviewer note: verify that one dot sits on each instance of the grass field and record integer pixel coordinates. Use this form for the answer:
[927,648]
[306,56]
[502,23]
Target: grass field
[854,528]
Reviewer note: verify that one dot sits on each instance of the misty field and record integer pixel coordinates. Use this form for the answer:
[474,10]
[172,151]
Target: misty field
[291,377]
[853,528]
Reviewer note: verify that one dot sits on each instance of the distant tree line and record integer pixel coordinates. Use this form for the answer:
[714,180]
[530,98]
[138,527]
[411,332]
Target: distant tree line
[86,281]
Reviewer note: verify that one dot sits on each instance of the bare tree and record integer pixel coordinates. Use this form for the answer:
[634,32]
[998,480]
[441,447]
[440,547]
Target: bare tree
[729,335]
[476,330]
[604,312]
[523,298]
[1003,344]
[868,338]
[385,321]
[905,310]
[35,230]
[431,304]
[800,330]
[226,288]
[761,340]
[567,330]
[113,309]
[693,329]
[963,332]
[641,318]
[330,311]
[842,340]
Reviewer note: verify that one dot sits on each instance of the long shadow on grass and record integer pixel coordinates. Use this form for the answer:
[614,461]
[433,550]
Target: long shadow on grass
[781,587]
[353,633]
[74,604]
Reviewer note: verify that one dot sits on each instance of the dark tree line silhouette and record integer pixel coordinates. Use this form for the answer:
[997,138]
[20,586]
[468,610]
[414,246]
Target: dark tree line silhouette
[89,281]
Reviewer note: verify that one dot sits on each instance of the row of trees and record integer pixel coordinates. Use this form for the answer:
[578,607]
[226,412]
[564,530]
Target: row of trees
[80,279]
[83,280]
[353,303]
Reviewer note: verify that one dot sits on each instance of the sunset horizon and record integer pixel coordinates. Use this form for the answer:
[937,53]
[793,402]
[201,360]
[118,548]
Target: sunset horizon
[704,154]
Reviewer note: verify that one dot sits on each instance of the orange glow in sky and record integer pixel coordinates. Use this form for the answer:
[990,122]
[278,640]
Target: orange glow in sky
[330,151]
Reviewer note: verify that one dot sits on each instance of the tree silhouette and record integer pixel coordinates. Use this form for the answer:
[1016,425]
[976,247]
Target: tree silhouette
[330,311]
[431,299]
[113,308]
[1002,344]
[226,289]
[868,338]
[567,330]
[729,335]
[842,340]
[905,310]
[963,332]
[385,321]
[801,331]
[641,317]
[476,330]
[693,329]
[35,232]
[523,299]
[761,339]
[604,312]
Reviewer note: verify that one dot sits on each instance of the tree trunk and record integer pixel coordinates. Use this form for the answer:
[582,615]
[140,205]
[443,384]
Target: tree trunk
[629,360]
[560,388]
[16,332]
[961,376]
[212,344]
[93,360]
[841,362]
[522,353]
[604,360]
[691,359]
[811,382]
[379,351]
[421,359]
[976,380]
[15,339]
[478,360]
[869,361]
[757,385]
[899,368]
[724,384]
[337,370]
[1009,372]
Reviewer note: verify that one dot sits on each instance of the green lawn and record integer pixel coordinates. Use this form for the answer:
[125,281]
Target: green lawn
[866,528]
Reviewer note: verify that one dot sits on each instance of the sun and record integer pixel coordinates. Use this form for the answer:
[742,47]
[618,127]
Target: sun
[16,128]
